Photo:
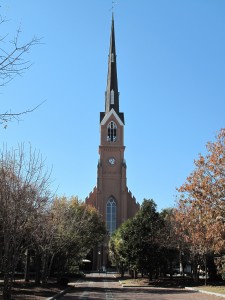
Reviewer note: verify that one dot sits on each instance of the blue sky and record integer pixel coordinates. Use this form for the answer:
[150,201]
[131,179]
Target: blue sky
[171,76]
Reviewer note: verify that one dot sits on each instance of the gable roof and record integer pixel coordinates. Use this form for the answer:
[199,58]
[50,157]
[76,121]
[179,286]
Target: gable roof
[108,115]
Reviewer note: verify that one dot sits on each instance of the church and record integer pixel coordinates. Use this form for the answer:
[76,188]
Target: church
[111,196]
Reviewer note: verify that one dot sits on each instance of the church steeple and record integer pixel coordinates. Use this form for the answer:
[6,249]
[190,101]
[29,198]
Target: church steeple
[111,196]
[112,93]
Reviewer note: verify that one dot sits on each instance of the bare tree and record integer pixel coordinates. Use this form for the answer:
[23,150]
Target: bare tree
[67,232]
[24,193]
[12,64]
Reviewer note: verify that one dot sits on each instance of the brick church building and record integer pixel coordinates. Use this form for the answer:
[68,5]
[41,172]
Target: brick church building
[111,196]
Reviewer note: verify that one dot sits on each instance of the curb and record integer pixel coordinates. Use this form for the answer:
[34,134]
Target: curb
[205,292]
[59,295]
[140,286]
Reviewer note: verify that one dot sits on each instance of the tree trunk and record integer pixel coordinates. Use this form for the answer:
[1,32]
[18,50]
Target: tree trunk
[195,272]
[171,270]
[48,271]
[205,262]
[181,264]
[60,267]
[7,287]
[122,270]
[27,266]
[7,271]
[44,277]
[37,268]
[150,276]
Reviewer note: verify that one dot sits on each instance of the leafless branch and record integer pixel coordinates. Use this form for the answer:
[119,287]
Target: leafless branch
[7,117]
[12,64]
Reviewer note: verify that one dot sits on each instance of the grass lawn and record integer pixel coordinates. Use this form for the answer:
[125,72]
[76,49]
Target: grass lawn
[175,283]
[212,288]
[138,281]
[162,282]
[29,291]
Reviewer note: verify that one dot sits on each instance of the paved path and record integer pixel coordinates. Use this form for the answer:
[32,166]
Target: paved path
[107,287]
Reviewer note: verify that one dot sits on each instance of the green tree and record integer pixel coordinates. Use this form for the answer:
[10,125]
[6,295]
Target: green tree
[171,244]
[129,246]
[150,227]
[117,253]
[138,242]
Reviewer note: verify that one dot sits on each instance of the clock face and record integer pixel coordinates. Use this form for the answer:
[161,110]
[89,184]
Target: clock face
[112,161]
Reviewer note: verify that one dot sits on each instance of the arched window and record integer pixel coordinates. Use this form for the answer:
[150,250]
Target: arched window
[111,215]
[112,132]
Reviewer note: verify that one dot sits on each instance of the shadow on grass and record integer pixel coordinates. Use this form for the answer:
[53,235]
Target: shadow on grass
[23,290]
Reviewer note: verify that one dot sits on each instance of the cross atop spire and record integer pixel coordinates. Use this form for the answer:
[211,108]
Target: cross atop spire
[113,5]
[112,94]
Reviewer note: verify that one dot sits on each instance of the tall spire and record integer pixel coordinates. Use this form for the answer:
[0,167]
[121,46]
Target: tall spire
[112,93]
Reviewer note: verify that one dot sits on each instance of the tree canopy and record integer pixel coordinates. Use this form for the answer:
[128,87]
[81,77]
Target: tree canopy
[140,243]
[201,206]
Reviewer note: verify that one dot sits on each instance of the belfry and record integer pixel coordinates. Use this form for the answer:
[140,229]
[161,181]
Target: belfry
[111,196]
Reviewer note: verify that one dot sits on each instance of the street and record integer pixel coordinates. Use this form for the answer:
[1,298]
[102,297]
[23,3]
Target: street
[107,287]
